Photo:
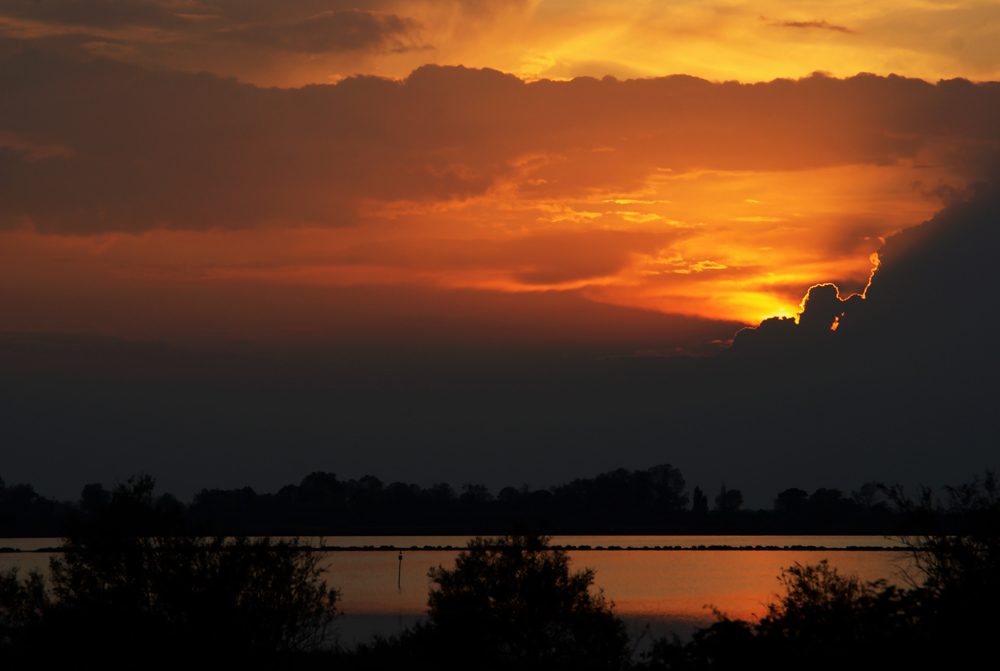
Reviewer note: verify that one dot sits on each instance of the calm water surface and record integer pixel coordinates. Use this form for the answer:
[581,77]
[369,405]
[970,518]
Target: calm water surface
[666,590]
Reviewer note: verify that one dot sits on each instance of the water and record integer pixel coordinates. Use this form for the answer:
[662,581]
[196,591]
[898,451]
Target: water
[666,591]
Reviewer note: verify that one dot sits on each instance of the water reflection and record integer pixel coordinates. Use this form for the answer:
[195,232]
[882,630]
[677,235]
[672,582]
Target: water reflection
[667,590]
[671,591]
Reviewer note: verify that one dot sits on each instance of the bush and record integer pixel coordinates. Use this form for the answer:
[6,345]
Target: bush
[828,621]
[131,580]
[955,546]
[513,602]
[823,621]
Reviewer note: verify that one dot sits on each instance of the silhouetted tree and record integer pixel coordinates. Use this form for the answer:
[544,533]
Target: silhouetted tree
[476,494]
[824,615]
[728,500]
[867,496]
[699,502]
[791,500]
[955,546]
[666,484]
[23,604]
[508,495]
[512,602]
[93,498]
[23,512]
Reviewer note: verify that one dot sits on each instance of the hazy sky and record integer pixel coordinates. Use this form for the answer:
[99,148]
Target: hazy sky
[328,215]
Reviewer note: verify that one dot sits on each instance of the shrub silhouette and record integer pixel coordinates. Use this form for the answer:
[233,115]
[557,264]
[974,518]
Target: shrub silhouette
[955,546]
[824,616]
[824,620]
[828,621]
[131,580]
[512,602]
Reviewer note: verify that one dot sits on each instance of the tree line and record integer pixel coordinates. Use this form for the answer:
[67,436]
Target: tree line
[646,501]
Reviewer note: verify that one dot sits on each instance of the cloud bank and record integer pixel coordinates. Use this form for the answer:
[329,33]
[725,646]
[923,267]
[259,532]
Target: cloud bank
[143,149]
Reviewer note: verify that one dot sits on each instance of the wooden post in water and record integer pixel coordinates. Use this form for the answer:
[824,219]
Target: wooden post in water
[399,576]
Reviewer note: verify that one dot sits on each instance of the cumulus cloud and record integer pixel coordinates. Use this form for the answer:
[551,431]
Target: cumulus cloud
[821,308]
[906,382]
[932,294]
[934,288]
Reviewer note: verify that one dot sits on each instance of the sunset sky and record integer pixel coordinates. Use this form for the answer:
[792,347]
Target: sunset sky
[301,194]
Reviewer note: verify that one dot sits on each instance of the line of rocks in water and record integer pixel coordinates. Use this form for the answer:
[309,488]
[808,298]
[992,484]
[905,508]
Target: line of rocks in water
[569,548]
[619,548]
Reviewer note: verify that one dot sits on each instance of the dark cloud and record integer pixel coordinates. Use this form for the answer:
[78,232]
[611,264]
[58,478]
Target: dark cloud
[821,308]
[192,18]
[930,296]
[331,32]
[97,13]
[780,337]
[506,386]
[296,26]
[378,320]
[543,258]
[934,290]
[905,385]
[821,24]
[165,149]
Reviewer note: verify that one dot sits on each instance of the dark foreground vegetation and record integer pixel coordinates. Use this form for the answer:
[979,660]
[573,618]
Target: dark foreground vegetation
[647,501]
[946,618]
[135,588]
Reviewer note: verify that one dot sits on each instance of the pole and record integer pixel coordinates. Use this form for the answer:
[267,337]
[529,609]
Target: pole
[399,576]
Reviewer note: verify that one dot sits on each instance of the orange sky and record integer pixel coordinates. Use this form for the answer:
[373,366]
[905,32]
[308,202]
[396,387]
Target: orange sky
[298,42]
[146,201]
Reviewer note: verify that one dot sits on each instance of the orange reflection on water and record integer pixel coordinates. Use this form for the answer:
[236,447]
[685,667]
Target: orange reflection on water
[670,590]
[675,590]
[683,586]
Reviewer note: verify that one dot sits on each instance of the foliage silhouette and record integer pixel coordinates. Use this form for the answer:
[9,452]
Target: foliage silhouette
[512,602]
[828,621]
[957,545]
[22,606]
[823,620]
[956,552]
[132,580]
[729,501]
[648,501]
